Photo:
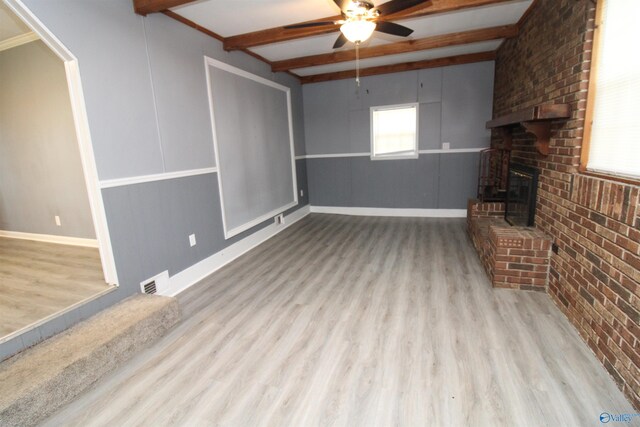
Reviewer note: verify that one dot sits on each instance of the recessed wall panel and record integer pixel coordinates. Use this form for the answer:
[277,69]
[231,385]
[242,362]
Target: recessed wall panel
[253,140]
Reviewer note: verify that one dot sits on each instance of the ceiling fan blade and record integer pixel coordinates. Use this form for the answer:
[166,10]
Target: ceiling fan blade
[394,6]
[308,25]
[340,41]
[394,29]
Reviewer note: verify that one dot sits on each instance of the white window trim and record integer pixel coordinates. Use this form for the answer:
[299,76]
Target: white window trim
[405,154]
[588,164]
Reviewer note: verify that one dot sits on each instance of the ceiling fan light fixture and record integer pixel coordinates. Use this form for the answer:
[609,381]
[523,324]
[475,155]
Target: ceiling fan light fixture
[357,31]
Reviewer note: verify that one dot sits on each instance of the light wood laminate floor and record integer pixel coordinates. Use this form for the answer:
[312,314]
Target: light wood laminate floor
[38,280]
[353,321]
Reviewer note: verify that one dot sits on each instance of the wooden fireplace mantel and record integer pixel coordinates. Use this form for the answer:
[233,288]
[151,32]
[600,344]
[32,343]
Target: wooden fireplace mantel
[536,120]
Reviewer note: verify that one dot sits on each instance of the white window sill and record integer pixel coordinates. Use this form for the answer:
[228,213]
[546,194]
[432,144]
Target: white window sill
[402,156]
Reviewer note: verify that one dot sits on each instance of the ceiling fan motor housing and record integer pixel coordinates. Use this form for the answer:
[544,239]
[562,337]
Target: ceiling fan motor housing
[359,9]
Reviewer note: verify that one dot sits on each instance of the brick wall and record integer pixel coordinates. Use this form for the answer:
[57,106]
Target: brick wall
[595,278]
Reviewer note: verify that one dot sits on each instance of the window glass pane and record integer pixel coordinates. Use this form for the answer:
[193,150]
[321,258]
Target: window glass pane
[615,135]
[394,131]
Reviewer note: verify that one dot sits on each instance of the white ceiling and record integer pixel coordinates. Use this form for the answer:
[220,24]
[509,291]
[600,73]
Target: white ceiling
[10,25]
[253,15]
[245,16]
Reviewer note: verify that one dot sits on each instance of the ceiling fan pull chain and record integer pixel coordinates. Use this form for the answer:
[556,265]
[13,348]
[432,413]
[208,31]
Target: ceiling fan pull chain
[358,63]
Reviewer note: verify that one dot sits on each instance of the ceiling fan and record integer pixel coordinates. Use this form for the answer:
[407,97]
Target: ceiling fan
[362,18]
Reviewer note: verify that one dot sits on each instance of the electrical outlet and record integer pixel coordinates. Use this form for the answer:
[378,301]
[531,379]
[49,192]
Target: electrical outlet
[446,145]
[57,219]
[279,219]
[301,193]
[192,240]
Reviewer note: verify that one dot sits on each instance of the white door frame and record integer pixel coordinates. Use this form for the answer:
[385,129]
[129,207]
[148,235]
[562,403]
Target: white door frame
[82,133]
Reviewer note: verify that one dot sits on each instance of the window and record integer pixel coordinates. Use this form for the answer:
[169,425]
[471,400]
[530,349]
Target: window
[394,132]
[612,131]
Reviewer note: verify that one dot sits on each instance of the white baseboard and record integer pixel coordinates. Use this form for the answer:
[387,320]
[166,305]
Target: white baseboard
[50,238]
[368,154]
[204,268]
[422,213]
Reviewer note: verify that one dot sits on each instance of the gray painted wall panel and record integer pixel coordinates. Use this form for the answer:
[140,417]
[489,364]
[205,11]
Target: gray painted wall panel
[356,95]
[177,64]
[359,132]
[150,231]
[330,181]
[455,103]
[433,181]
[303,183]
[40,169]
[430,85]
[326,117]
[458,179]
[465,109]
[108,40]
[464,94]
[429,126]
[150,226]
[409,183]
[389,89]
[119,84]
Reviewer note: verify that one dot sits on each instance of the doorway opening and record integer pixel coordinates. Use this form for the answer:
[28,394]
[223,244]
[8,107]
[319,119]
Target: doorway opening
[55,251]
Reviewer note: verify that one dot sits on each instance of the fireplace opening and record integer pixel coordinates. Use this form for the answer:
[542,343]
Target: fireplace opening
[522,186]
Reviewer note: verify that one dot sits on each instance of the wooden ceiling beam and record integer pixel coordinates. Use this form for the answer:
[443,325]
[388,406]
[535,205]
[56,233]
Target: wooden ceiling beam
[217,36]
[189,23]
[145,7]
[444,40]
[396,68]
[280,34]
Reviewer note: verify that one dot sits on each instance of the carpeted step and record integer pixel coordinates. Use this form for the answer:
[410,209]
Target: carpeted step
[40,380]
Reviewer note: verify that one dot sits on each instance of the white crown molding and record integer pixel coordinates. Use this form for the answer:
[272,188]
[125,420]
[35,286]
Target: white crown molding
[50,238]
[18,40]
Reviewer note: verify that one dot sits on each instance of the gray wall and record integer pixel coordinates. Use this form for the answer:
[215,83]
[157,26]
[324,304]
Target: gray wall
[455,102]
[40,169]
[146,97]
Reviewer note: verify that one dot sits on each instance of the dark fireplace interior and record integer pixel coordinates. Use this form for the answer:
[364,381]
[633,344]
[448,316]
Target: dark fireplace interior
[520,206]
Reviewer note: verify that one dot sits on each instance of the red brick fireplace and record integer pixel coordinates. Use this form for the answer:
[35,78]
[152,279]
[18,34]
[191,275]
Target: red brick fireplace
[594,278]
[513,257]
